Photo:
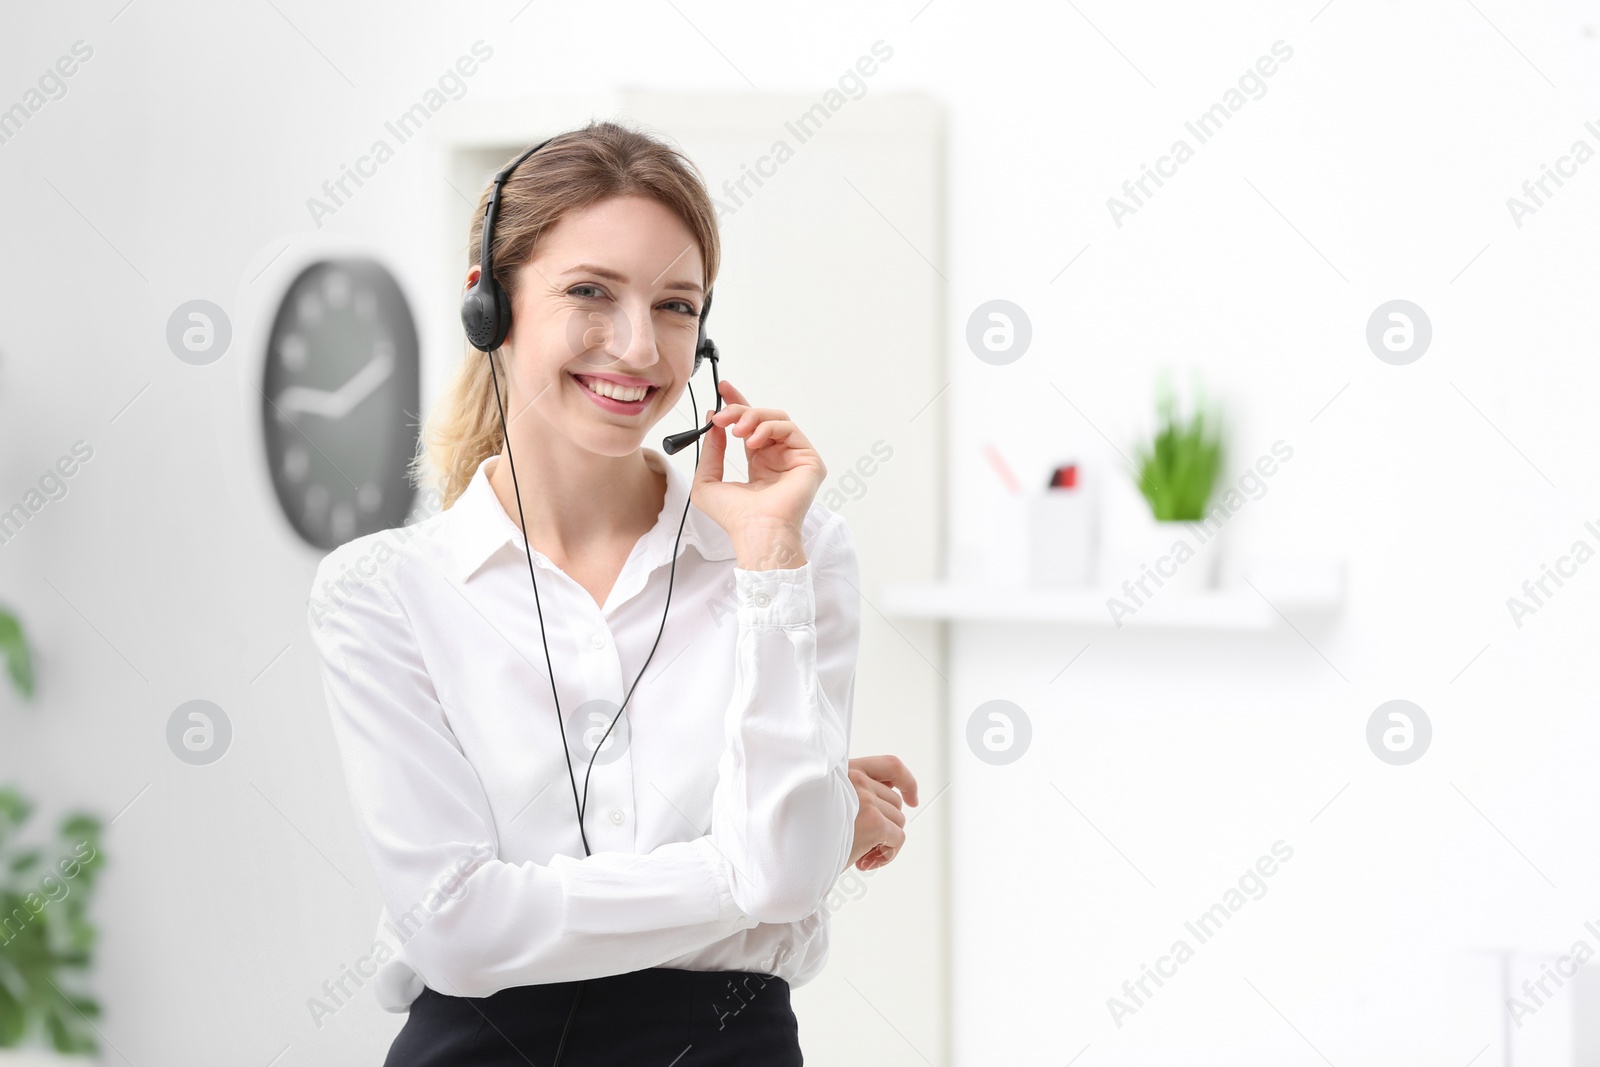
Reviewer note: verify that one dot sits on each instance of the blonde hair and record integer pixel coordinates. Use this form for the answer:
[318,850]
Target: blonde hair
[576,169]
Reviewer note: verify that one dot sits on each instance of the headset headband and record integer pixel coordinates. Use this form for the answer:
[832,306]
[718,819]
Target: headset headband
[492,212]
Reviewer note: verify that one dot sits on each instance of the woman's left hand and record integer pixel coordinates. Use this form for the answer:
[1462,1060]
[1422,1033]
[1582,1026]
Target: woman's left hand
[784,476]
[876,778]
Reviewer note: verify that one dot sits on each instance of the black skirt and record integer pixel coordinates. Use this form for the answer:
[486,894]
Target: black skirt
[662,1016]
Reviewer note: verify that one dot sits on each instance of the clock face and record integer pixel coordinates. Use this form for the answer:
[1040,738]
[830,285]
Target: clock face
[340,399]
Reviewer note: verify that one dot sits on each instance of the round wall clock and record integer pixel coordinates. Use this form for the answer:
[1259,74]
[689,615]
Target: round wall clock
[340,398]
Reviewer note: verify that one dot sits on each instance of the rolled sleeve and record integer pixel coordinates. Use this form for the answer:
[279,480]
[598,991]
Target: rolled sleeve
[784,808]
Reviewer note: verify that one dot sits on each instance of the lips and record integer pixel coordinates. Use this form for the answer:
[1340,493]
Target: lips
[619,379]
[621,407]
[626,383]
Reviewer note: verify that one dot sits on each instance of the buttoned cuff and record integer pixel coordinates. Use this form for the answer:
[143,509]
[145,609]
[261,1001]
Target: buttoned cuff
[778,597]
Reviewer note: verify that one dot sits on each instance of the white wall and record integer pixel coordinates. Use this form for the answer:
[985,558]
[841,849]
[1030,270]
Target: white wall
[1377,165]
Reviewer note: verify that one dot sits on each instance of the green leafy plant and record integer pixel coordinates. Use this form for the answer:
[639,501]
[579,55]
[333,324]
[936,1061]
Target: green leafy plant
[1178,468]
[46,938]
[14,646]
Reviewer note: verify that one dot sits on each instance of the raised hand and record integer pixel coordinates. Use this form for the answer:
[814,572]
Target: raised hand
[764,514]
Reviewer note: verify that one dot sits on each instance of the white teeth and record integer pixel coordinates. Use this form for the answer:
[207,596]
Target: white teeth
[626,393]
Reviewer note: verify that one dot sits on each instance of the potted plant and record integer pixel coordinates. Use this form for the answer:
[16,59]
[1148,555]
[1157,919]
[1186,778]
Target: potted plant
[46,938]
[1176,475]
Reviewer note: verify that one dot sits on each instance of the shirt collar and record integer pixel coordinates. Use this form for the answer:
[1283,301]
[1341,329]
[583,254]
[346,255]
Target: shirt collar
[480,527]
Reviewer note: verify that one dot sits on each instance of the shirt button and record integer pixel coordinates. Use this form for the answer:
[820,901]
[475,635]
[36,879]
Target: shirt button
[617,816]
[597,640]
[762,600]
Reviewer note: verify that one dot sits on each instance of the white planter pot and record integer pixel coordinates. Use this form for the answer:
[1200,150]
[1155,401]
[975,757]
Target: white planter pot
[1165,559]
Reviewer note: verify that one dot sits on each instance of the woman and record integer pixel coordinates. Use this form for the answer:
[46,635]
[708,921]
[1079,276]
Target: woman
[647,885]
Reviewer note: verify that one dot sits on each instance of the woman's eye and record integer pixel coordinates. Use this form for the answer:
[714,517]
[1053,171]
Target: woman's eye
[588,290]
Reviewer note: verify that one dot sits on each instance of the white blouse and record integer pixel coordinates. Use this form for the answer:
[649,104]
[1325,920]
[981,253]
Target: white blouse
[720,810]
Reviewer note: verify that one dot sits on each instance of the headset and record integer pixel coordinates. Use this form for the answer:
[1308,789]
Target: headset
[486,315]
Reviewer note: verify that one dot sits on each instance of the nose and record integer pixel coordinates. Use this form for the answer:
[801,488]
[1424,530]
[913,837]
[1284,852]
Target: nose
[620,336]
[639,347]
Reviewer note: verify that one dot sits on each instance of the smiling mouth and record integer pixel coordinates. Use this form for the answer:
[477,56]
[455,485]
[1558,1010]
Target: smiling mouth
[618,393]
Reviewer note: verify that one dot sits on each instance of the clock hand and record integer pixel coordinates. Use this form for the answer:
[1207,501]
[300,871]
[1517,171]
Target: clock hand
[337,403]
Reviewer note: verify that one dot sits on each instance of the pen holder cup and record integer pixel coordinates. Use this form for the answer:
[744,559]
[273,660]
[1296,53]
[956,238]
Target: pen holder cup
[1044,538]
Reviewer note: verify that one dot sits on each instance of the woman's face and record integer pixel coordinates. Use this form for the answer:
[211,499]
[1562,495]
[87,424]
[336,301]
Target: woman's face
[613,292]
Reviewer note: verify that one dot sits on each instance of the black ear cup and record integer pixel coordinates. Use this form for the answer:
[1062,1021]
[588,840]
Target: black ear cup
[705,348]
[703,345]
[502,316]
[480,315]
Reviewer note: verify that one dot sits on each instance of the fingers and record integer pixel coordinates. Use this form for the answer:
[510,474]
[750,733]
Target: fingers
[879,798]
[886,793]
[771,431]
[890,843]
[869,788]
[710,468]
[880,817]
[879,856]
[760,427]
[740,419]
[890,809]
[890,770]
[739,408]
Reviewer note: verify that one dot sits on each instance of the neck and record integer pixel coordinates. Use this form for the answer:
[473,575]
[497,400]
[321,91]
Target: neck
[573,498]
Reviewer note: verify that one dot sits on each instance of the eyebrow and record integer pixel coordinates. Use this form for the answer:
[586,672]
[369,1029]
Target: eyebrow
[616,276]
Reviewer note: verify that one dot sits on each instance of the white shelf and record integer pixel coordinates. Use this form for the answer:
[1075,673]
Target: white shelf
[1298,590]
